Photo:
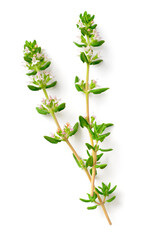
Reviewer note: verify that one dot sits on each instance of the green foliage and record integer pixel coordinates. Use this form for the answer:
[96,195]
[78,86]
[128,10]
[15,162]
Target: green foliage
[83,57]
[46,65]
[34,88]
[98,90]
[60,107]
[79,45]
[91,208]
[89,146]
[111,199]
[96,62]
[106,150]
[52,140]
[51,85]
[42,111]
[79,89]
[75,129]
[31,73]
[101,166]
[83,122]
[80,164]
[96,43]
[106,191]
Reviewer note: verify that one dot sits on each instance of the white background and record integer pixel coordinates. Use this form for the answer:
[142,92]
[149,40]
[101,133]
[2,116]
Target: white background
[40,183]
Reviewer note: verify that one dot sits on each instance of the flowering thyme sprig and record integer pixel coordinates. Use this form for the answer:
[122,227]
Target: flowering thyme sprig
[89,41]
[37,63]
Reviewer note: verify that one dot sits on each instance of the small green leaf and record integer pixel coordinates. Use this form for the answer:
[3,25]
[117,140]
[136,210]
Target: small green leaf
[83,57]
[112,190]
[46,65]
[51,85]
[83,122]
[89,162]
[102,166]
[84,200]
[89,146]
[94,26]
[98,91]
[99,156]
[77,79]
[79,165]
[96,43]
[106,150]
[79,89]
[75,129]
[93,207]
[79,45]
[98,191]
[91,172]
[42,111]
[60,107]
[103,136]
[96,62]
[33,88]
[31,73]
[27,59]
[111,199]
[52,140]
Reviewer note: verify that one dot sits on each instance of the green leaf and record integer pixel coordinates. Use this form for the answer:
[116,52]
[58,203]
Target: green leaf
[96,43]
[103,136]
[89,162]
[79,45]
[51,85]
[106,150]
[93,207]
[60,107]
[27,59]
[83,122]
[83,57]
[31,73]
[79,165]
[89,146]
[91,172]
[52,140]
[33,88]
[75,129]
[111,199]
[102,166]
[46,65]
[112,190]
[42,111]
[109,125]
[96,62]
[94,26]
[99,156]
[79,89]
[84,200]
[98,191]
[98,90]
[77,79]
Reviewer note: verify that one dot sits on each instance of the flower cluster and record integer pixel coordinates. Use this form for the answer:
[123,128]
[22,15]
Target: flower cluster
[89,39]
[49,105]
[65,133]
[37,64]
[81,85]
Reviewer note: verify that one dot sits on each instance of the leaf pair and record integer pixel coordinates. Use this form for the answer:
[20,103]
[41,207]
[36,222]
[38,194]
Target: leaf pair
[34,88]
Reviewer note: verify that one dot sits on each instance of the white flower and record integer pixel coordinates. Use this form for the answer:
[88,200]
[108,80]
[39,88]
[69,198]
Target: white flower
[38,55]
[26,50]
[80,24]
[34,61]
